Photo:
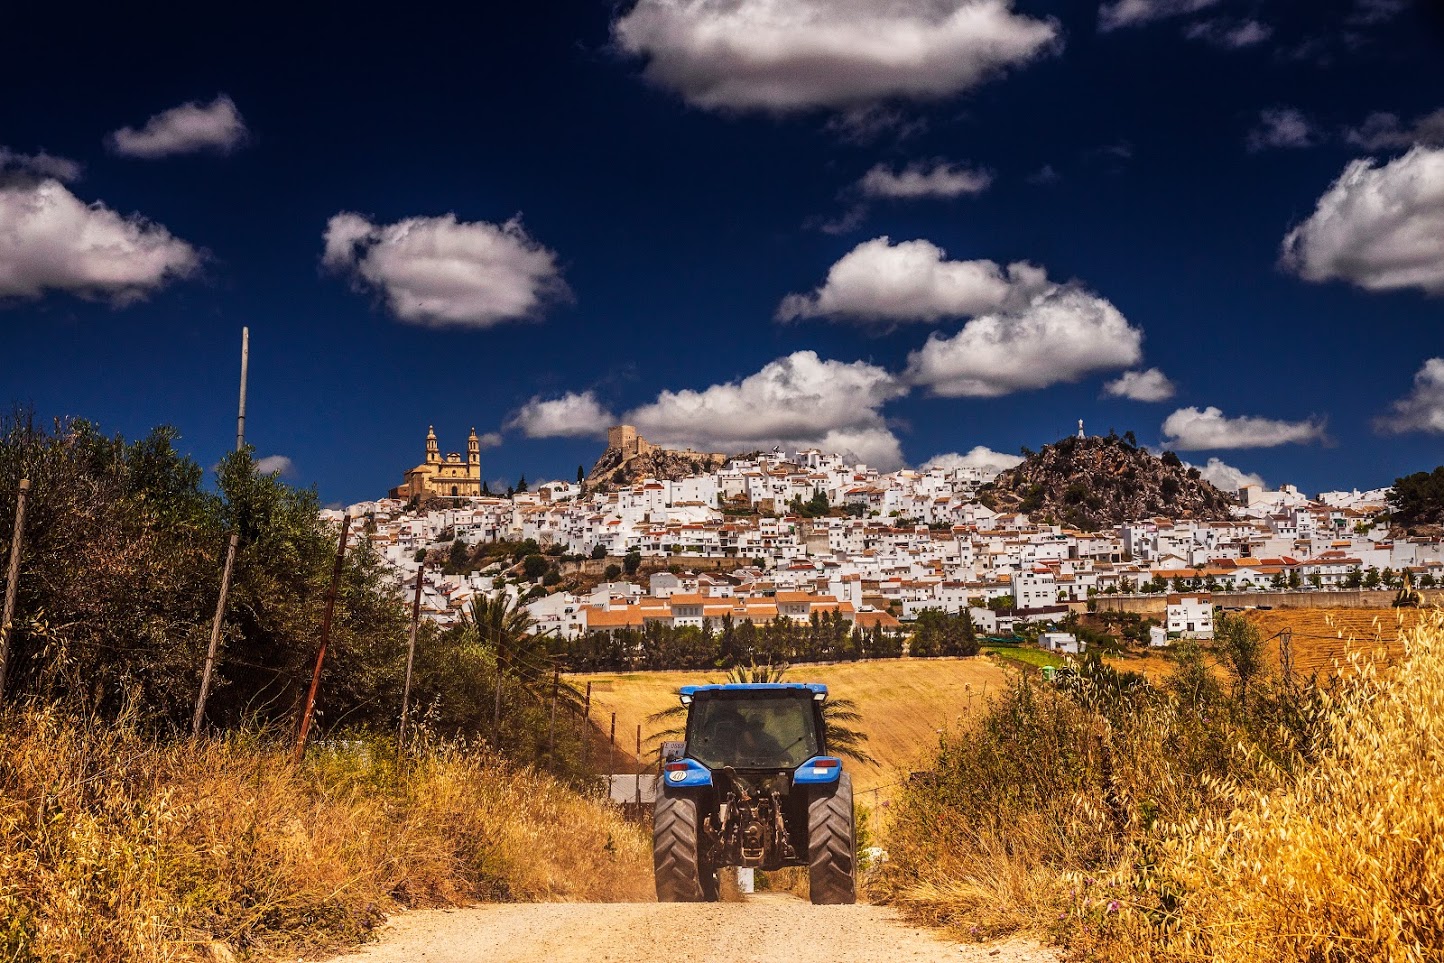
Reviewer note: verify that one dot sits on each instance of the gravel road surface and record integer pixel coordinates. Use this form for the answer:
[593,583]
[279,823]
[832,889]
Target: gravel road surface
[768,928]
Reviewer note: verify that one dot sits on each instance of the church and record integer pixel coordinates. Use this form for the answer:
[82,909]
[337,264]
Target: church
[451,478]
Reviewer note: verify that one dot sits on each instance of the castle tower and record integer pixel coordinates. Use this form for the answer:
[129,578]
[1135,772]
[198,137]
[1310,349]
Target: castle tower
[473,450]
[433,451]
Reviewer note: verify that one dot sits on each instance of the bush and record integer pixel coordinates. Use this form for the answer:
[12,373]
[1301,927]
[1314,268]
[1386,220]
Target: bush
[613,572]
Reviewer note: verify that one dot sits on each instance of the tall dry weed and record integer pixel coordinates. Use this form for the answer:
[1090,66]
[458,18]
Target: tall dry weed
[1344,862]
[117,847]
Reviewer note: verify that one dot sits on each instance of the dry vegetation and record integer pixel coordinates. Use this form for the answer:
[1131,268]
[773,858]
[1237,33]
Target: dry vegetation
[903,703]
[1323,638]
[115,847]
[1185,823]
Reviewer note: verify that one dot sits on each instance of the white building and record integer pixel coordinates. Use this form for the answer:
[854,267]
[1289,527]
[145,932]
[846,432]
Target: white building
[1190,616]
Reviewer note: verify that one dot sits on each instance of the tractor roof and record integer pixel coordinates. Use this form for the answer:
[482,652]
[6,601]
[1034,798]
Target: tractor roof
[814,689]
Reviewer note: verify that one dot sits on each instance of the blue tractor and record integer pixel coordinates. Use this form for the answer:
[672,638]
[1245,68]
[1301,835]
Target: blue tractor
[753,785]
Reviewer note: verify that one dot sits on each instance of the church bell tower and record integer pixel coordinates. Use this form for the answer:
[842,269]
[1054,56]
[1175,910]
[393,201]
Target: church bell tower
[433,451]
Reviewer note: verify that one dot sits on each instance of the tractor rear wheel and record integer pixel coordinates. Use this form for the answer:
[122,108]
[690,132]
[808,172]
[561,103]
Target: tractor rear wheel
[831,846]
[681,872]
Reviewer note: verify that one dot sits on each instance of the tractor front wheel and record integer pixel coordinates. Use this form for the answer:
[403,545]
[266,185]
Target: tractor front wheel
[682,874]
[831,846]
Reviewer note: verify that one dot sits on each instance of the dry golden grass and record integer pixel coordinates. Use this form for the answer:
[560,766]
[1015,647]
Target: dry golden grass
[1346,862]
[903,702]
[114,847]
[1323,638]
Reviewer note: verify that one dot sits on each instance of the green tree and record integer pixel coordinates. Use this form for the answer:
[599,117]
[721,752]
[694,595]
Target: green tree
[1240,650]
[613,572]
[632,561]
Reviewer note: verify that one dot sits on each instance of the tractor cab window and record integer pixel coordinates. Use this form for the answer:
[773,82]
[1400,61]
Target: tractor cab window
[752,732]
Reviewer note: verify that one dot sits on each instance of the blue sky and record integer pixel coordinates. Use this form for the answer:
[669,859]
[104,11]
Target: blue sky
[903,229]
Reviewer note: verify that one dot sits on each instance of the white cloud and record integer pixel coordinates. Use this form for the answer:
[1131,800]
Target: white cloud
[441,272]
[1226,477]
[1422,409]
[274,463]
[799,401]
[1189,429]
[1370,12]
[186,129]
[1232,35]
[1150,385]
[492,439]
[941,179]
[882,282]
[1384,131]
[1061,335]
[50,239]
[1132,13]
[979,457]
[784,55]
[573,415]
[1377,227]
[15,166]
[1281,127]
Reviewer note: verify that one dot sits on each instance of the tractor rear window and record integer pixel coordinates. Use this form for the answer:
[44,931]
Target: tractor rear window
[753,732]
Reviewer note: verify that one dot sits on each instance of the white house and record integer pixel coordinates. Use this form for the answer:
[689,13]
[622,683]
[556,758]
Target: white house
[1190,616]
[1065,642]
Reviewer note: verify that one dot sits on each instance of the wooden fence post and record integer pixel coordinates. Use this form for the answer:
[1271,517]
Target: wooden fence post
[12,582]
[310,704]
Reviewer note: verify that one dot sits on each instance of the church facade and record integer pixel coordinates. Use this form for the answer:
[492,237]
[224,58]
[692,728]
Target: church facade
[444,478]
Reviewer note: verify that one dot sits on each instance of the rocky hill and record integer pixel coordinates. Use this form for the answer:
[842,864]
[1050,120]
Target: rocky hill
[617,467]
[1092,483]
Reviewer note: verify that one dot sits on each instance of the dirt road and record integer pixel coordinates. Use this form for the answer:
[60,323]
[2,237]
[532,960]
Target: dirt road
[766,929]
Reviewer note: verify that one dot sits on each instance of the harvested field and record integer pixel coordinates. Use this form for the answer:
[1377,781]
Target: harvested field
[1322,637]
[904,702]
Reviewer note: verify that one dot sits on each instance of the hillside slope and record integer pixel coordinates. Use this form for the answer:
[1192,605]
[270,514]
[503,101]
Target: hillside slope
[616,468]
[1091,483]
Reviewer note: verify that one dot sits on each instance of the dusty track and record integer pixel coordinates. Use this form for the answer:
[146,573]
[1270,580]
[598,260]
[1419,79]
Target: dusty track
[766,929]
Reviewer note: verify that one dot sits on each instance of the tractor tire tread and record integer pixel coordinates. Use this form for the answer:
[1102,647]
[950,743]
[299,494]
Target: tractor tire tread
[832,846]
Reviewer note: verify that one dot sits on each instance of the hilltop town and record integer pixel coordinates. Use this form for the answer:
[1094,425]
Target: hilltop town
[793,534]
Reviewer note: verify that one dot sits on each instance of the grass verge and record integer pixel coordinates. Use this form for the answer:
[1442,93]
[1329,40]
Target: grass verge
[118,847]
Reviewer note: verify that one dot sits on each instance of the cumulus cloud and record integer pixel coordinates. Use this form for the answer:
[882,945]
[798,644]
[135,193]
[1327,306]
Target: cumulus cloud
[491,439]
[1189,429]
[50,239]
[1061,335]
[15,167]
[187,129]
[573,415]
[1281,127]
[1384,131]
[1150,385]
[980,456]
[441,272]
[1422,409]
[1226,477]
[1231,35]
[1378,227]
[787,55]
[799,401]
[1132,13]
[940,179]
[882,282]
[274,464]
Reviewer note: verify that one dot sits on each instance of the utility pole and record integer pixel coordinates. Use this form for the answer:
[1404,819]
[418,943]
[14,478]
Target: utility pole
[552,725]
[12,582]
[230,554]
[410,657]
[310,704]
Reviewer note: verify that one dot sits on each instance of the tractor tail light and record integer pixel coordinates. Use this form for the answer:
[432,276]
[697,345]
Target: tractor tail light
[676,767]
[825,764]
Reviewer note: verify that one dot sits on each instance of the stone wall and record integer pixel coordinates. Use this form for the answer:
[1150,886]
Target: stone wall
[1347,599]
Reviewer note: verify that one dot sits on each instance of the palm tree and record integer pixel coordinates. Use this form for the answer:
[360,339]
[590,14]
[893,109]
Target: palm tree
[842,738]
[501,625]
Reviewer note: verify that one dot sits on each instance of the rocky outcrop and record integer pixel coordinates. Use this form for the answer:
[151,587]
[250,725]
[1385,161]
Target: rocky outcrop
[1093,483]
[619,467]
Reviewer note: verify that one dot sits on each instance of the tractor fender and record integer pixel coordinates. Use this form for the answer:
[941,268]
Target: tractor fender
[818,771]
[686,774]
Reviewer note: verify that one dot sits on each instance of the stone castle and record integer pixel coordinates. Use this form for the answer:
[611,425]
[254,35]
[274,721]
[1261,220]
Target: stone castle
[448,478]
[624,438]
